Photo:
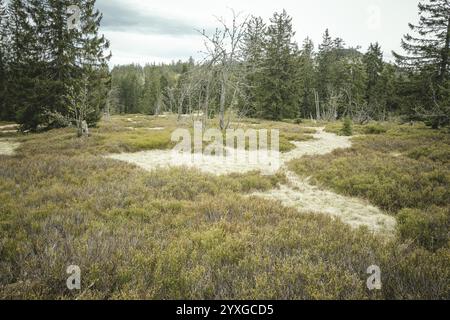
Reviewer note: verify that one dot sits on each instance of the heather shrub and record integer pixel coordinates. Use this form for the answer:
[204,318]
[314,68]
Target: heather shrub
[430,228]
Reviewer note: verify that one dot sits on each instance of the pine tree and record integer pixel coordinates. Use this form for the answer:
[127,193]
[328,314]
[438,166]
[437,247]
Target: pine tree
[307,79]
[278,94]
[353,86]
[253,52]
[26,87]
[94,60]
[374,65]
[325,60]
[427,58]
[431,48]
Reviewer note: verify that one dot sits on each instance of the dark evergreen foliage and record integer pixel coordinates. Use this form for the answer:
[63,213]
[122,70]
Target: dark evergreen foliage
[50,64]
[427,63]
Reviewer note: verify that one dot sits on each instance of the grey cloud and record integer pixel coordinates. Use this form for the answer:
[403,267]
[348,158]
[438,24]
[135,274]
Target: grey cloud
[117,16]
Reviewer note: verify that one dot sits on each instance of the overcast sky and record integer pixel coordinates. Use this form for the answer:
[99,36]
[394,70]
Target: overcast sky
[143,31]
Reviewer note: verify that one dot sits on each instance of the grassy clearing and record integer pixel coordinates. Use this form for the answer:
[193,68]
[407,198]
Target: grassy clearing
[177,233]
[134,133]
[120,134]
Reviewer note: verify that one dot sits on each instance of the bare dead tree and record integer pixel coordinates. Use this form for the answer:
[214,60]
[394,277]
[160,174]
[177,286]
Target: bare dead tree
[360,112]
[224,56]
[182,94]
[78,108]
[330,109]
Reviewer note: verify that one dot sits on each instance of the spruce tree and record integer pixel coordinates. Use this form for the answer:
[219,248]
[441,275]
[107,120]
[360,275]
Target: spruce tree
[53,66]
[279,79]
[427,58]
[351,85]
[27,91]
[340,78]
[373,60]
[430,48]
[253,52]
[62,69]
[78,63]
[374,65]
[147,103]
[325,60]
[307,79]
[93,57]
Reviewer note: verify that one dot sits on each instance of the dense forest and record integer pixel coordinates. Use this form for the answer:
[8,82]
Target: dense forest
[54,76]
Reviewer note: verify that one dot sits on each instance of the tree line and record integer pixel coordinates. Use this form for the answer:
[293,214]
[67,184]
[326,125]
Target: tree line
[251,68]
[256,69]
[149,89]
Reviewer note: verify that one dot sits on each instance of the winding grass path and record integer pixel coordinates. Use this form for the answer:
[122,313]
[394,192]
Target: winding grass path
[297,192]
[303,196]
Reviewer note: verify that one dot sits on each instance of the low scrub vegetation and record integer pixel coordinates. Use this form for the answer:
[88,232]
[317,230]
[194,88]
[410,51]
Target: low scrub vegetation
[181,234]
[430,228]
[404,170]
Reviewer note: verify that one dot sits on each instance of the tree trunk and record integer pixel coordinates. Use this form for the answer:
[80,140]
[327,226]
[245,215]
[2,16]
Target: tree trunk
[180,108]
[206,104]
[158,106]
[316,98]
[223,95]
[82,129]
[445,55]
